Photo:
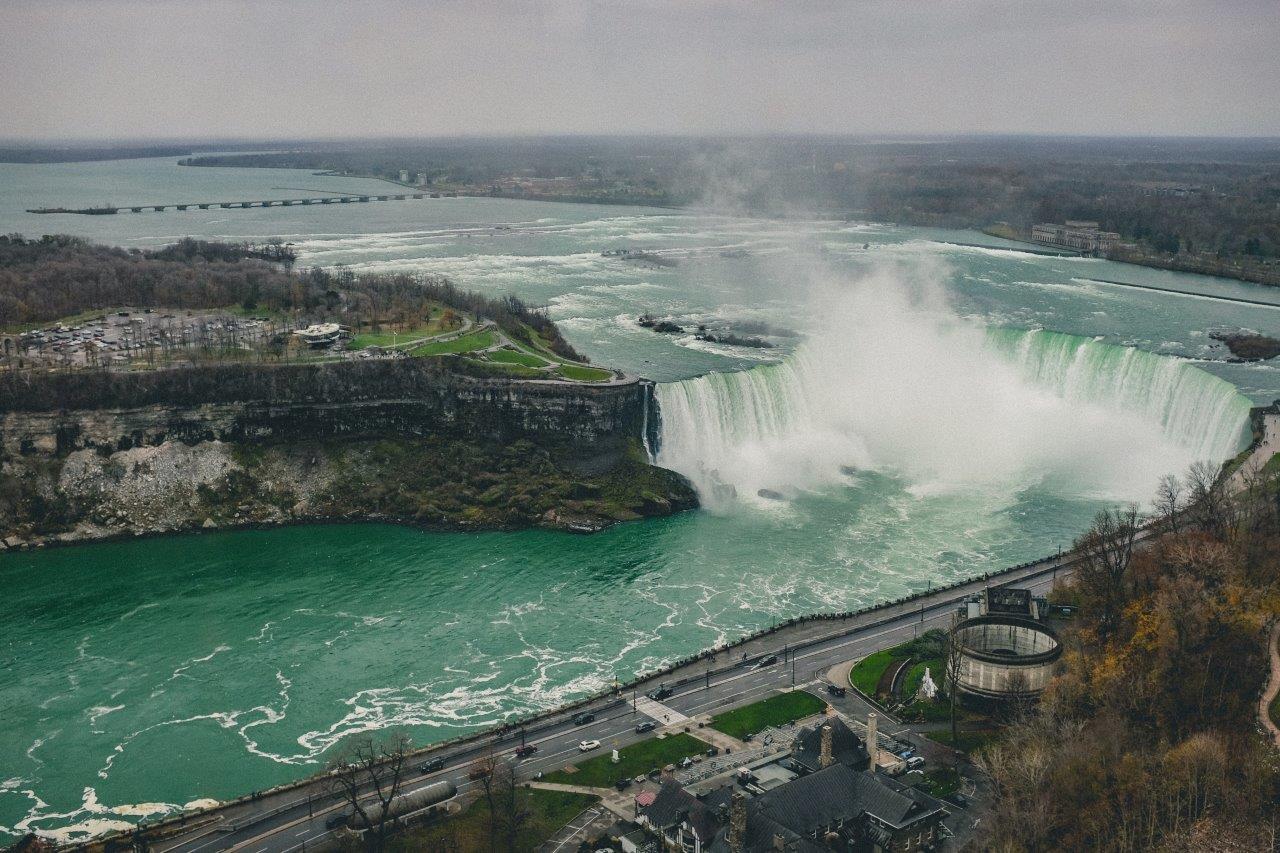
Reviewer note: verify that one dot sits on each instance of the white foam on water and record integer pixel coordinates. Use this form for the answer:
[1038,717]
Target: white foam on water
[891,380]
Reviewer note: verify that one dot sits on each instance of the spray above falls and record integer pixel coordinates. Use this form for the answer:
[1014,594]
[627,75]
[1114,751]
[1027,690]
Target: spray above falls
[895,383]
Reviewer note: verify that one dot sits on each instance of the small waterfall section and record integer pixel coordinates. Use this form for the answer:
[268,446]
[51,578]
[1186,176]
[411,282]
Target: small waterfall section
[952,410]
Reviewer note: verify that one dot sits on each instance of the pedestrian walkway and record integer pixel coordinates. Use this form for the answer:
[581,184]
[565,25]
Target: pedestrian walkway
[621,803]
[1273,685]
[660,713]
[713,737]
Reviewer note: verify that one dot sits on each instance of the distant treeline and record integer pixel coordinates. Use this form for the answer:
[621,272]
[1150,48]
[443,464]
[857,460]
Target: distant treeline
[1204,198]
[56,276]
[86,154]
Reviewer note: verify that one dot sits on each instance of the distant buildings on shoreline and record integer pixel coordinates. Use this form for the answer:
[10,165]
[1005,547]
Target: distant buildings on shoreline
[1081,235]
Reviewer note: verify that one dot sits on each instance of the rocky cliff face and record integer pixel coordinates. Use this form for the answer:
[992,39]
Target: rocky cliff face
[401,441]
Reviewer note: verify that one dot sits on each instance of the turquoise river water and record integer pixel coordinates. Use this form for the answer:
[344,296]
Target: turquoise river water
[930,411]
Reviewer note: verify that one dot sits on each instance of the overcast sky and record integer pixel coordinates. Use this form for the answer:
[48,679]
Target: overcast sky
[294,68]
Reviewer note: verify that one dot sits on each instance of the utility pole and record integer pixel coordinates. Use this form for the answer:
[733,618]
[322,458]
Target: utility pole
[793,672]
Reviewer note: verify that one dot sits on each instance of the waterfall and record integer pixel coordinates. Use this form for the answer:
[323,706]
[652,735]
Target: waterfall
[948,405]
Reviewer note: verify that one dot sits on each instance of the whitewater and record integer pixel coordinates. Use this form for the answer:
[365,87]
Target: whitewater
[891,380]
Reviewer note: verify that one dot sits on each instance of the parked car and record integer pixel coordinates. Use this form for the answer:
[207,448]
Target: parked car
[622,784]
[526,750]
[587,745]
[686,762]
[713,751]
[661,693]
[639,778]
[837,690]
[647,726]
[584,717]
[433,766]
[915,763]
[748,737]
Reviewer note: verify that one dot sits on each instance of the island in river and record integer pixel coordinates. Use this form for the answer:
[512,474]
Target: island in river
[479,416]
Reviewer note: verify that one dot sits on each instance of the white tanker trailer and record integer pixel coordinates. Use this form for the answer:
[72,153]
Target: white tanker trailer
[406,803]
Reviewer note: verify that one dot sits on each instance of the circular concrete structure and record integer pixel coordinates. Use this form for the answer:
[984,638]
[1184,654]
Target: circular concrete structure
[1005,657]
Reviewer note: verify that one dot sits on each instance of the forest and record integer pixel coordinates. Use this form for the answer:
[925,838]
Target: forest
[1148,737]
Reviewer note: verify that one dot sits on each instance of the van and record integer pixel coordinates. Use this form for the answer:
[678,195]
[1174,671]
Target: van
[915,762]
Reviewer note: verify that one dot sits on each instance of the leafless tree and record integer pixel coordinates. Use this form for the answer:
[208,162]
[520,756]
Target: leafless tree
[367,768]
[1168,502]
[1106,549]
[952,661]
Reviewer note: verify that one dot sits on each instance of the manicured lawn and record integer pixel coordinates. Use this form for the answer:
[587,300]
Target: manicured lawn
[865,675]
[915,676]
[547,812]
[775,711]
[467,343]
[386,339]
[940,781]
[507,356]
[968,741]
[599,771]
[495,368]
[584,374]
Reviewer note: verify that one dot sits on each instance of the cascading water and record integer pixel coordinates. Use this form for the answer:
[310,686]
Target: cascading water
[947,406]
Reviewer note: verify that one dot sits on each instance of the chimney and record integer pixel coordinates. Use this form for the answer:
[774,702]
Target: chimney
[873,743]
[779,843]
[824,757]
[737,836]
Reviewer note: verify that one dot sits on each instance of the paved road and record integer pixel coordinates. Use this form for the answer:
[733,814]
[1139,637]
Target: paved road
[294,820]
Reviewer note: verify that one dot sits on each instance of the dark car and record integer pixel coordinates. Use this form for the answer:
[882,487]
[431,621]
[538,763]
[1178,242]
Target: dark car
[767,660]
[581,719]
[647,726]
[334,821]
[661,693]
[432,766]
[622,784]
[836,690]
[713,751]
[748,737]
[526,750]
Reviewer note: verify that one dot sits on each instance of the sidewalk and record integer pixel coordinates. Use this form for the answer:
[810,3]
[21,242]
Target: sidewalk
[1273,685]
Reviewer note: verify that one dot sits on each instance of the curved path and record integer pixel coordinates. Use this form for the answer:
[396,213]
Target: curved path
[1273,686]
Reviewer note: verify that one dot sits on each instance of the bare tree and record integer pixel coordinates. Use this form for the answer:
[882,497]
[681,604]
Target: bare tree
[1106,549]
[367,768]
[1207,499]
[1168,502]
[952,663]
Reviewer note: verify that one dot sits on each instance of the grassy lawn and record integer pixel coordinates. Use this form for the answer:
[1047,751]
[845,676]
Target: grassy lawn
[507,356]
[915,675]
[467,343]
[968,741]
[386,339]
[548,811]
[599,771]
[493,368]
[865,675]
[584,374]
[775,711]
[940,781]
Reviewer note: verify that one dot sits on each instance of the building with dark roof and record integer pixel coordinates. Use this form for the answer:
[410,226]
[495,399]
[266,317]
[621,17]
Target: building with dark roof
[834,808]
[845,747]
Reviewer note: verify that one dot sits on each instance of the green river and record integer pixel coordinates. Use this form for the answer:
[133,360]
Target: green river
[929,411]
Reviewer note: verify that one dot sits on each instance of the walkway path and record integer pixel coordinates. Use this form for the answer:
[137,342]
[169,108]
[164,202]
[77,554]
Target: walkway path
[621,803]
[1268,446]
[1273,686]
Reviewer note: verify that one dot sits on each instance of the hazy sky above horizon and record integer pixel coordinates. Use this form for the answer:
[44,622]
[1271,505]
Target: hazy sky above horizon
[95,69]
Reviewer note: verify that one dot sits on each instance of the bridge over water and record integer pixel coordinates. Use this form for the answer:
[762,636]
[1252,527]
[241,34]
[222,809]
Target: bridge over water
[228,205]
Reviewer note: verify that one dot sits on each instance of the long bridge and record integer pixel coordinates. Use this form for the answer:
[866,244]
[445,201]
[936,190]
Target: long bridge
[228,205]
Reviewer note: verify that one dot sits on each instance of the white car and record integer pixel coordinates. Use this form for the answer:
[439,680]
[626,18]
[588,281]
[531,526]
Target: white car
[588,745]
